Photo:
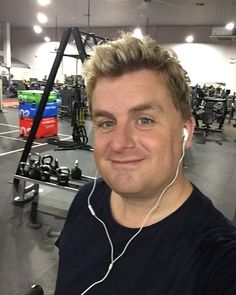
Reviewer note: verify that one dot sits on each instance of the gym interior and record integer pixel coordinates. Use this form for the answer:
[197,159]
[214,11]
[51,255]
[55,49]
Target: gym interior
[46,151]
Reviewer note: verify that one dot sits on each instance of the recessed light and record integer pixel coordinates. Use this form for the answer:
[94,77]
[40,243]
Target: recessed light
[42,18]
[189,39]
[138,33]
[229,26]
[43,2]
[37,29]
[47,39]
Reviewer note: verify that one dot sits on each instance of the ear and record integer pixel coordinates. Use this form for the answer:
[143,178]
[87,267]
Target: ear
[189,125]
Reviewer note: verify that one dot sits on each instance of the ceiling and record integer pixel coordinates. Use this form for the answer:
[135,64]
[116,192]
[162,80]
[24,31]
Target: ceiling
[111,13]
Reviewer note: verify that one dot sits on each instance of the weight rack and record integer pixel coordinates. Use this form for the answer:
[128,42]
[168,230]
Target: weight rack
[21,189]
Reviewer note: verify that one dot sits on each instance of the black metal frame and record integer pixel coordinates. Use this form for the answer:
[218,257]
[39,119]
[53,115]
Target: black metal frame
[81,44]
[206,127]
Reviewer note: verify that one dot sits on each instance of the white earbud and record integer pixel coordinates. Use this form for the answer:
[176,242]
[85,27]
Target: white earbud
[185,135]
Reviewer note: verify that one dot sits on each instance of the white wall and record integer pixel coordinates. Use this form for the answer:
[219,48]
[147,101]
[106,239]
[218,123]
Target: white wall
[205,62]
[39,55]
[44,57]
[208,63]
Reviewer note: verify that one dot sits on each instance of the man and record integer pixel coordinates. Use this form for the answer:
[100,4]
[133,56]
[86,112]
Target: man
[143,228]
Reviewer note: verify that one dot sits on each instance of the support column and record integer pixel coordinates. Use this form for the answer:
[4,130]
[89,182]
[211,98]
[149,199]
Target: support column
[7,45]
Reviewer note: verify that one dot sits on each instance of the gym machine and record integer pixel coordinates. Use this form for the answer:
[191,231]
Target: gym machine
[40,172]
[209,107]
[74,105]
[209,110]
[232,107]
[0,94]
[79,110]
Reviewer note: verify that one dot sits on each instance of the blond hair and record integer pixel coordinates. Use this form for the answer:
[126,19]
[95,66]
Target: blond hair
[127,54]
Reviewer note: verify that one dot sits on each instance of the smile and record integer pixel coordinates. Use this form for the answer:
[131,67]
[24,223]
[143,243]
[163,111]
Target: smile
[126,161]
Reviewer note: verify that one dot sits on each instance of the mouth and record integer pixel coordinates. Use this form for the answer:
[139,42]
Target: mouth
[126,162]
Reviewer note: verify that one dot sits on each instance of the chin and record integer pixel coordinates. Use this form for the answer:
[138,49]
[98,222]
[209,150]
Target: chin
[125,181]
[126,188]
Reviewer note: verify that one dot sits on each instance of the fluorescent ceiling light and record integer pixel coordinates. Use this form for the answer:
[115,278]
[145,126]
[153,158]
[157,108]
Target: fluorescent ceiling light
[138,33]
[42,18]
[43,2]
[189,39]
[38,29]
[229,26]
[47,39]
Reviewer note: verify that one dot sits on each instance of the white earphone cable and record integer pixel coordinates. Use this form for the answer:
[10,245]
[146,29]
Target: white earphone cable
[150,212]
[141,227]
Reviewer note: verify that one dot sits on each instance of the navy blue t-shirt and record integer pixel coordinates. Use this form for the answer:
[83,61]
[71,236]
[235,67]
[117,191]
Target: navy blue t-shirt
[190,252]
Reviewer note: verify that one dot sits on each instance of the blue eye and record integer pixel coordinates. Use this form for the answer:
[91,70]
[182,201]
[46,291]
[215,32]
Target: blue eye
[145,121]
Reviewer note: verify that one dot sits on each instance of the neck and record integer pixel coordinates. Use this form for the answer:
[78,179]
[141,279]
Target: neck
[131,212]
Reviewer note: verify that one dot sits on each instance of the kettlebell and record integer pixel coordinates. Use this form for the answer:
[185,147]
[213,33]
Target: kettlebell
[45,172]
[35,172]
[54,167]
[47,160]
[24,169]
[76,171]
[33,158]
[63,174]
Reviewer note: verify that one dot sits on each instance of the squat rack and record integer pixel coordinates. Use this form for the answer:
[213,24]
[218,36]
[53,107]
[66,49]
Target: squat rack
[82,40]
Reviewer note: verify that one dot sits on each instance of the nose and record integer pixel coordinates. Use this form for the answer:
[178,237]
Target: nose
[122,137]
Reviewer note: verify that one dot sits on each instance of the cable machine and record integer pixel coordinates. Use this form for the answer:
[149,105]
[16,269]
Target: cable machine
[77,109]
[79,133]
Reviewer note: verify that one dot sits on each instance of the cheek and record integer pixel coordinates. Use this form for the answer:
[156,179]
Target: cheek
[162,148]
[152,141]
[100,143]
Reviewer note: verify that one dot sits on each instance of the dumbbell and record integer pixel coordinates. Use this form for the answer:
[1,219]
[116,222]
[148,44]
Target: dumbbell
[76,171]
[63,174]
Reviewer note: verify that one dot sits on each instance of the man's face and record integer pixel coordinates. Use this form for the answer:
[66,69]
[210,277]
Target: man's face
[137,133]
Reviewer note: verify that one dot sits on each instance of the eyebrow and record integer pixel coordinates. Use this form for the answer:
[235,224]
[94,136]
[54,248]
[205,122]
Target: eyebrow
[101,113]
[138,108]
[147,106]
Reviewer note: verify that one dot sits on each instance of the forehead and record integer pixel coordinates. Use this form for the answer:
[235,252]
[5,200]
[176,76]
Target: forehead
[141,87]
